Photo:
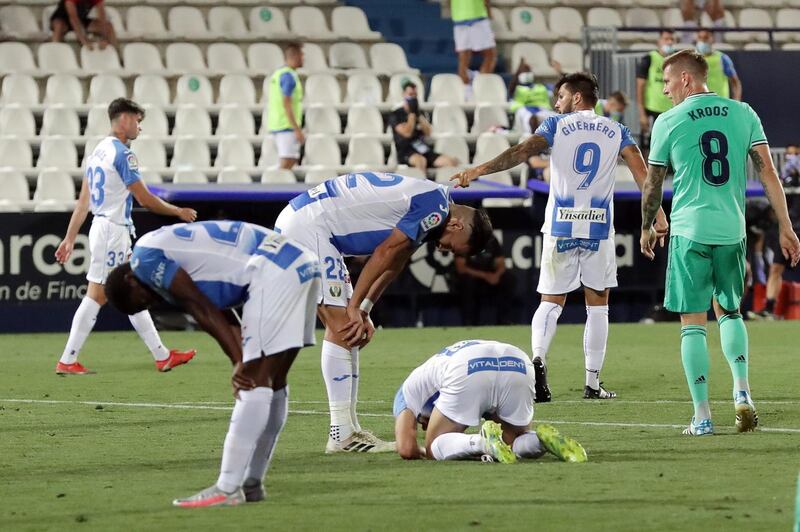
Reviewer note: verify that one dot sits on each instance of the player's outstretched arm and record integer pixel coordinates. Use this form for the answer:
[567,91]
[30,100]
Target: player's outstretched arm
[75,222]
[155,204]
[652,193]
[405,435]
[533,145]
[635,161]
[777,199]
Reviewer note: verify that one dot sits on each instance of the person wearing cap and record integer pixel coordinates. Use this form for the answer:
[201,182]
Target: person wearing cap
[410,127]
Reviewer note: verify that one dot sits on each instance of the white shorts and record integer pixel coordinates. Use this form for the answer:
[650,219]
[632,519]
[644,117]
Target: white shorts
[564,271]
[524,114]
[336,287]
[109,246]
[474,37]
[286,144]
[465,398]
[281,309]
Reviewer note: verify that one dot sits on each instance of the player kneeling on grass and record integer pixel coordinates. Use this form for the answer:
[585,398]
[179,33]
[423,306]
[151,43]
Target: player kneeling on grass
[209,266]
[468,380]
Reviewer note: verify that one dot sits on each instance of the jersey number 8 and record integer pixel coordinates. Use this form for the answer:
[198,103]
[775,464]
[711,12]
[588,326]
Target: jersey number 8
[716,168]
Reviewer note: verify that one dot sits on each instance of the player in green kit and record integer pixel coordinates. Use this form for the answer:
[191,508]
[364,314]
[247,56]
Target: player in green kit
[706,139]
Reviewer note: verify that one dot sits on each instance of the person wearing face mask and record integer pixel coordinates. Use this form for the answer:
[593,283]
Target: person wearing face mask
[722,77]
[530,101]
[613,107]
[650,96]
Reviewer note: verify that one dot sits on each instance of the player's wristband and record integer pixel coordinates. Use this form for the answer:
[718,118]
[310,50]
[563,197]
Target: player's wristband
[366,305]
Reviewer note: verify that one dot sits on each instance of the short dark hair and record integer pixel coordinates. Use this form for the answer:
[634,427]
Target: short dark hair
[620,96]
[666,30]
[406,83]
[117,290]
[584,83]
[292,48]
[690,60]
[481,231]
[124,105]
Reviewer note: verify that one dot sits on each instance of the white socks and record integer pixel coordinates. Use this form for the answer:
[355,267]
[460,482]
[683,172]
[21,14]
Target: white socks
[144,325]
[266,443]
[337,371]
[248,423]
[595,336]
[543,328]
[354,361]
[457,446]
[528,446]
[82,324]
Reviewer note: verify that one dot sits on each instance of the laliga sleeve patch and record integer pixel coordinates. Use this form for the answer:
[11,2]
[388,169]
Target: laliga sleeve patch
[431,221]
[133,162]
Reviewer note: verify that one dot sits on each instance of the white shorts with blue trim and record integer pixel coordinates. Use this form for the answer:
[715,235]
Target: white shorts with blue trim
[109,246]
[474,36]
[568,263]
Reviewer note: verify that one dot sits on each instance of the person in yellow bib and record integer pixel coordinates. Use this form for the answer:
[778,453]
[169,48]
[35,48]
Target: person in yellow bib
[612,107]
[530,101]
[650,96]
[722,77]
[285,107]
[472,32]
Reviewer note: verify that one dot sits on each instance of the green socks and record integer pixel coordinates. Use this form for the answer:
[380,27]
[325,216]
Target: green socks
[733,336]
[694,354]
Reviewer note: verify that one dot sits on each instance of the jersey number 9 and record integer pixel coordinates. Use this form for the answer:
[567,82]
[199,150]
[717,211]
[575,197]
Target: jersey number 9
[587,162]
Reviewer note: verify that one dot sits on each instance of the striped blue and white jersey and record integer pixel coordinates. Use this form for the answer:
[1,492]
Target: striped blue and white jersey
[219,256]
[110,170]
[361,209]
[583,163]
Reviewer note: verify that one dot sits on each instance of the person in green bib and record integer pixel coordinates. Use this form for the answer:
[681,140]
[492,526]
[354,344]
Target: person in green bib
[612,107]
[722,77]
[650,97]
[706,139]
[472,32]
[530,101]
[285,107]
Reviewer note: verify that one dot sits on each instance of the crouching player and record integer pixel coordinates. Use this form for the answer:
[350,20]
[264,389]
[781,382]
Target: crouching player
[468,380]
[208,266]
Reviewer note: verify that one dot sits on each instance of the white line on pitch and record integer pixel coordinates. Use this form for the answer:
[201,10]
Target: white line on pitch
[569,402]
[321,413]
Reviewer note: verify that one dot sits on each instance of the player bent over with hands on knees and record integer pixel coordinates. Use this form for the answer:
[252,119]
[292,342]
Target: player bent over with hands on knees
[706,139]
[210,266]
[386,217]
[468,380]
[578,247]
[111,181]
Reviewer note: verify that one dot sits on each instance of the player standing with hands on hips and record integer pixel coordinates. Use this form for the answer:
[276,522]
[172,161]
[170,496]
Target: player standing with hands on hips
[706,139]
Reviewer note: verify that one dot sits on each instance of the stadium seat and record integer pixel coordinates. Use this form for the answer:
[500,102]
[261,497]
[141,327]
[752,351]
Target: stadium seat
[730,22]
[322,150]
[54,185]
[313,58]
[351,23]
[56,57]
[322,89]
[488,116]
[16,121]
[757,47]
[16,57]
[446,88]
[529,23]
[569,55]
[411,171]
[106,87]
[264,58]
[489,88]
[18,21]
[535,55]
[186,22]
[347,55]
[754,18]
[395,95]
[788,18]
[500,25]
[150,152]
[97,122]
[115,18]
[194,89]
[89,144]
[190,153]
[189,176]
[237,89]
[623,173]
[155,122]
[19,89]
[670,18]
[145,21]
[489,146]
[150,89]
[278,175]
[60,120]
[234,175]
[64,89]
[565,22]
[142,57]
[57,152]
[151,178]
[225,58]
[364,120]
[309,22]
[323,119]
[14,193]
[315,176]
[234,151]
[363,150]
[364,88]
[236,120]
[15,153]
[454,146]
[448,118]
[604,17]
[268,22]
[227,22]
[98,60]
[389,58]
[192,120]
[269,153]
[443,175]
[642,17]
[185,57]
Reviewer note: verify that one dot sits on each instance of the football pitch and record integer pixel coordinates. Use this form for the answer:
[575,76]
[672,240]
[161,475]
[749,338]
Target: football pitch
[110,451]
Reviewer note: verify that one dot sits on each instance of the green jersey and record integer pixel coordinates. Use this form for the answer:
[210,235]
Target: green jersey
[706,140]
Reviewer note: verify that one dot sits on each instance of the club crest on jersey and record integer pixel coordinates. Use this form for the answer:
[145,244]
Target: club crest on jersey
[431,221]
[567,214]
[133,162]
[335,289]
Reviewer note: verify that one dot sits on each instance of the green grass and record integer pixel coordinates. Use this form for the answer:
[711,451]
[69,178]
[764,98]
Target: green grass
[74,465]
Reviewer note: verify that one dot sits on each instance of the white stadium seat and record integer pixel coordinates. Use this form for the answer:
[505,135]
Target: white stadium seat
[98,60]
[364,88]
[453,145]
[97,122]
[536,57]
[788,18]
[155,122]
[89,145]
[446,88]
[323,119]
[236,120]
[500,25]
[346,55]
[115,18]
[489,88]
[56,57]
[396,87]
[671,17]
[150,152]
[16,57]
[278,175]
[604,17]
[54,185]
[323,89]
[364,120]
[14,191]
[189,175]
[264,58]
[105,88]
[730,21]
[351,23]
[234,175]
[227,22]
[194,89]
[59,120]
[16,121]
[150,177]
[186,22]
[185,57]
[366,151]
[489,146]
[57,152]
[754,18]
[389,57]
[268,22]
[443,175]
[314,176]
[18,21]
[192,120]
[488,116]
[309,22]
[448,118]
[63,88]
[234,151]
[322,150]
[530,23]
[20,89]
[190,153]
[569,55]
[225,58]
[269,153]
[314,58]
[144,21]
[142,57]
[565,22]
[151,89]
[15,153]
[236,89]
